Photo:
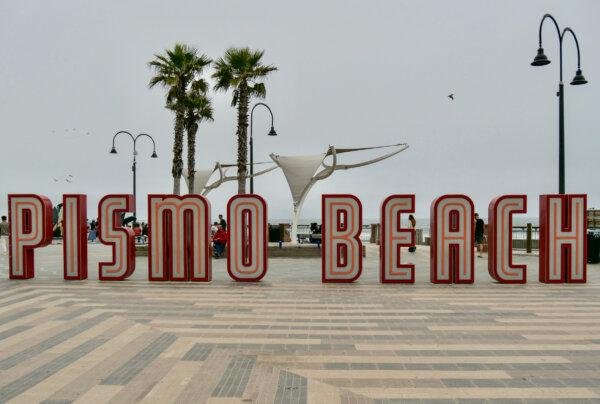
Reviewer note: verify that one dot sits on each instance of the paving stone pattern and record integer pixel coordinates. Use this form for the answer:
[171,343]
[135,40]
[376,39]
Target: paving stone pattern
[292,339]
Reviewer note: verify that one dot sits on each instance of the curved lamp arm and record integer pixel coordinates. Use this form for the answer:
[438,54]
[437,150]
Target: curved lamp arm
[560,37]
[555,24]
[576,44]
[252,114]
[146,135]
[118,133]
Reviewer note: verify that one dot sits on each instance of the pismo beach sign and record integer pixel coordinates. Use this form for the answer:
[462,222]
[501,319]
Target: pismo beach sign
[179,238]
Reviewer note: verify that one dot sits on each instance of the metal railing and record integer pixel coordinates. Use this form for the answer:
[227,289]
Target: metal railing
[365,235]
[524,237]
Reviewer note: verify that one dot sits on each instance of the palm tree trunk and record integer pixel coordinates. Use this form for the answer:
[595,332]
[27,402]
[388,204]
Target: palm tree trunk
[242,137]
[177,152]
[191,153]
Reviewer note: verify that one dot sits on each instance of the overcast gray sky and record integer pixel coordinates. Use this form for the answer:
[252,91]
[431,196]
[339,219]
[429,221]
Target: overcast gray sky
[351,73]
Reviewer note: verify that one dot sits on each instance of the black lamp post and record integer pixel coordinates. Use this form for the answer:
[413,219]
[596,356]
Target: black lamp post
[271,133]
[541,60]
[133,166]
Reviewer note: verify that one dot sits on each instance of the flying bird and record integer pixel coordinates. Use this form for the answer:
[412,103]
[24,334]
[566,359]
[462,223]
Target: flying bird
[55,180]
[451,96]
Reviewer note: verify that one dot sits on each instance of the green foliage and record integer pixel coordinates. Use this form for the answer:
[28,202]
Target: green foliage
[241,68]
[176,70]
[179,72]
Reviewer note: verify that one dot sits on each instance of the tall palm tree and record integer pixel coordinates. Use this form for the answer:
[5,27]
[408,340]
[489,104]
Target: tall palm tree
[242,70]
[198,108]
[175,71]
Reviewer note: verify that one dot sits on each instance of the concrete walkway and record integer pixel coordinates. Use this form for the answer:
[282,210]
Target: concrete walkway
[291,339]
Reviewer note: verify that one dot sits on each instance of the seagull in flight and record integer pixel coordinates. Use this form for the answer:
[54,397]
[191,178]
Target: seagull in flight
[55,180]
[451,96]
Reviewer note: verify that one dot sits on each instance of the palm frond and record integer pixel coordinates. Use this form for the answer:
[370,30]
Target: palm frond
[259,90]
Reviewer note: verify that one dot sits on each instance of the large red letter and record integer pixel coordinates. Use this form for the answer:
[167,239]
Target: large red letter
[75,236]
[563,241]
[341,257]
[393,236]
[452,239]
[500,213]
[247,250]
[120,238]
[179,238]
[30,227]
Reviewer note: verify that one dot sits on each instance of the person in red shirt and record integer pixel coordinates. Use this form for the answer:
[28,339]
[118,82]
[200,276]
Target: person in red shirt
[220,241]
[137,232]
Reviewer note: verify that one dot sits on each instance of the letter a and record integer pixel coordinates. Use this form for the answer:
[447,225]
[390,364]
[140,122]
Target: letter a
[341,257]
[452,239]
[30,227]
[563,238]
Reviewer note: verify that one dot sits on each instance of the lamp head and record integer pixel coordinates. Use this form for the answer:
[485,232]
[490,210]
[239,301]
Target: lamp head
[113,150]
[272,132]
[154,155]
[578,79]
[540,59]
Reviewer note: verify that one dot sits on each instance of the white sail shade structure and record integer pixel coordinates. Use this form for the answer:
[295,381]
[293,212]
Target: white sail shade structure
[301,173]
[202,177]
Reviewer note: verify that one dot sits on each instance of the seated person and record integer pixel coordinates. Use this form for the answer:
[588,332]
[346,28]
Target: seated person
[137,232]
[219,241]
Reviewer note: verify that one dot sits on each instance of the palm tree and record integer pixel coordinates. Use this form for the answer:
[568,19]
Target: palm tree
[175,71]
[198,108]
[241,69]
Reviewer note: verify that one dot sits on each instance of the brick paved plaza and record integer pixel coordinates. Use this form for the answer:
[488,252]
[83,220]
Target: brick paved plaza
[291,339]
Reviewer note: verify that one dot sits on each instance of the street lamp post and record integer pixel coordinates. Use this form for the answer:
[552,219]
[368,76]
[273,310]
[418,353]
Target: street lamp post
[271,133]
[133,166]
[541,60]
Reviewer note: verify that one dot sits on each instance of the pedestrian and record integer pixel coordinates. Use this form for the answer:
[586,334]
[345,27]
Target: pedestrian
[219,241]
[222,222]
[145,232]
[213,228]
[479,230]
[93,233]
[413,223]
[4,235]
[137,232]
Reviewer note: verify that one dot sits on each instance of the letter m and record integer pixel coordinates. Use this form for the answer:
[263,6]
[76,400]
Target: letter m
[179,238]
